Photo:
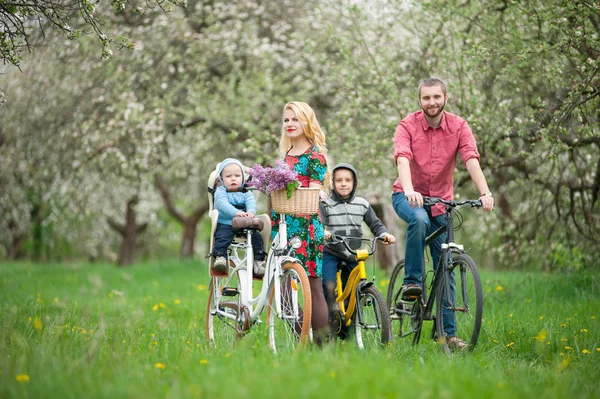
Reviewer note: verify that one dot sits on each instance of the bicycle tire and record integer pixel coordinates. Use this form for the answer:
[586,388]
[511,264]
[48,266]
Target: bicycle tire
[375,328]
[460,306]
[292,327]
[226,320]
[405,318]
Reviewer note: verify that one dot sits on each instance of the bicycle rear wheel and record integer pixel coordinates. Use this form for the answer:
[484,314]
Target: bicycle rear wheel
[292,325]
[374,330]
[461,306]
[405,316]
[226,319]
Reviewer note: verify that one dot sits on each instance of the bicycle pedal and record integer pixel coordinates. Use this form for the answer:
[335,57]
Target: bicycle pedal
[410,298]
[230,291]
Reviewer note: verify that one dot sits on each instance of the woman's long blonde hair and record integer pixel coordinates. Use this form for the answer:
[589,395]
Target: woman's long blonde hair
[312,130]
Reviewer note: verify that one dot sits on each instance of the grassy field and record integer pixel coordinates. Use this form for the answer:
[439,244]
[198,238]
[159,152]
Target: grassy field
[79,330]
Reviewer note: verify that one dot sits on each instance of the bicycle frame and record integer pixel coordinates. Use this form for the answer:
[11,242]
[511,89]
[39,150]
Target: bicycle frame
[448,248]
[275,259]
[356,280]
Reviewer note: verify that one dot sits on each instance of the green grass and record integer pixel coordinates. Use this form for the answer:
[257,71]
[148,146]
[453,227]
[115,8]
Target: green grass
[81,330]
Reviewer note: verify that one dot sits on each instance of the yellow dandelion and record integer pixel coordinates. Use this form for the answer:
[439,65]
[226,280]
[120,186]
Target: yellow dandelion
[383,283]
[155,308]
[332,374]
[547,342]
[56,300]
[160,366]
[201,287]
[541,317]
[510,315]
[527,300]
[592,317]
[123,341]
[597,349]
[568,348]
[565,362]
[177,301]
[585,351]
[541,336]
[510,345]
[500,385]
[563,325]
[39,300]
[228,354]
[563,339]
[583,330]
[37,323]
[161,305]
[499,288]
[494,341]
[22,378]
[203,361]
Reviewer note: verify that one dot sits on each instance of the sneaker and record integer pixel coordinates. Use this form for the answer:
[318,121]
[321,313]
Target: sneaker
[411,291]
[259,268]
[455,343]
[220,264]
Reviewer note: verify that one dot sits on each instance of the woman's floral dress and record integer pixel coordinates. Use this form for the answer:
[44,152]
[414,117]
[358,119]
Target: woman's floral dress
[311,167]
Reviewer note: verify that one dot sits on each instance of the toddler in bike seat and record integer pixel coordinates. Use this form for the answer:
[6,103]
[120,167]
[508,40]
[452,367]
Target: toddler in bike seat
[230,205]
[343,215]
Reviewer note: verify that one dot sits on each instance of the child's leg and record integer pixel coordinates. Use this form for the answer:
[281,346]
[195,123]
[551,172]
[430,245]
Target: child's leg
[330,265]
[223,238]
[257,245]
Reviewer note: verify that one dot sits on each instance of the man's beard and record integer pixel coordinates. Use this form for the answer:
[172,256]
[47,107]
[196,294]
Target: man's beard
[437,113]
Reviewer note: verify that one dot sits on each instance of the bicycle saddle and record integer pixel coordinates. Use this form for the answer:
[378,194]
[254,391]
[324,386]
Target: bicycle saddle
[247,223]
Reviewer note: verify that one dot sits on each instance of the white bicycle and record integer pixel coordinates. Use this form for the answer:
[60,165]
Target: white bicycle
[233,309]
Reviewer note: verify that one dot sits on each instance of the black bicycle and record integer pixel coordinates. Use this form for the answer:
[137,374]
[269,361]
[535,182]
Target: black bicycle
[455,288]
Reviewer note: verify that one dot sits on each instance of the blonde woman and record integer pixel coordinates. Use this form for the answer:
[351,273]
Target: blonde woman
[303,148]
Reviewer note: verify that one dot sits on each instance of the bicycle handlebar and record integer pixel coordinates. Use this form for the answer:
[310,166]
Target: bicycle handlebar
[452,203]
[335,238]
[244,188]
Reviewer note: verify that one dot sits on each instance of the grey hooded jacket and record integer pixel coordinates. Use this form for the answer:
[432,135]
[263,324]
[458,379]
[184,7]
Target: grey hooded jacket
[344,217]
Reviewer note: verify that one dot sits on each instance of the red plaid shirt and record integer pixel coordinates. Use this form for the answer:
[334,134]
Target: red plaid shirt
[432,153]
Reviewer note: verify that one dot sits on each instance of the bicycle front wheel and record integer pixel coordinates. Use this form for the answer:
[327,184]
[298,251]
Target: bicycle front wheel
[459,305]
[292,325]
[226,319]
[371,319]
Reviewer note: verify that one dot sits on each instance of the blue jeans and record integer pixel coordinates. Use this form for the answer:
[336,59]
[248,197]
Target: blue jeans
[420,225]
[330,268]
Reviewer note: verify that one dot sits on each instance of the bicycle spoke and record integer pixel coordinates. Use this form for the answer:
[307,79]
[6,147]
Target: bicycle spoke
[460,305]
[291,325]
[371,320]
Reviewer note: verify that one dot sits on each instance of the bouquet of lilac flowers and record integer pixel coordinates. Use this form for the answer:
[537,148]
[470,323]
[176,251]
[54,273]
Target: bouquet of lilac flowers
[268,180]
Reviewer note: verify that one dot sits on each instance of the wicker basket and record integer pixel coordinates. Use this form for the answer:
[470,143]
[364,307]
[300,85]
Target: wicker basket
[303,201]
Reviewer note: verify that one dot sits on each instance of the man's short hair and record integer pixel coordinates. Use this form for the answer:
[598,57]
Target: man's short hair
[432,82]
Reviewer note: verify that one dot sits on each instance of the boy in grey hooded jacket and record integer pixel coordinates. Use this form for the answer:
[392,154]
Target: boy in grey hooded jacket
[343,215]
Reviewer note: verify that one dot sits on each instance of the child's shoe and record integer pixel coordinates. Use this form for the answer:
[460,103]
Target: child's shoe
[259,268]
[220,264]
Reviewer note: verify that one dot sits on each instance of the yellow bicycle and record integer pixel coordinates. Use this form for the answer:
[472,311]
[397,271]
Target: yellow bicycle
[359,302]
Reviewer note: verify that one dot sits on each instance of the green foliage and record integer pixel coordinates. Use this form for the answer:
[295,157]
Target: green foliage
[96,331]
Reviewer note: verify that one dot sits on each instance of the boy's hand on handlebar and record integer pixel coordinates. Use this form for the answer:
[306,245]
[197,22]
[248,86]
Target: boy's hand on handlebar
[327,235]
[389,239]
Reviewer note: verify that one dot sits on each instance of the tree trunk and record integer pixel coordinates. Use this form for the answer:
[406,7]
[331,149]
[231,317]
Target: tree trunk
[188,239]
[189,222]
[129,231]
[388,255]
[17,240]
